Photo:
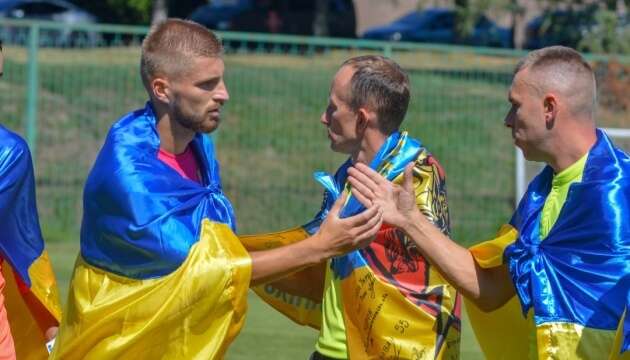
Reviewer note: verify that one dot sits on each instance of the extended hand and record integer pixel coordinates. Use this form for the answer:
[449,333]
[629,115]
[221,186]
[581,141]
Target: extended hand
[370,188]
[335,237]
[338,236]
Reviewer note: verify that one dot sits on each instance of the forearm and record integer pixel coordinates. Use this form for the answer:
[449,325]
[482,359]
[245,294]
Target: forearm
[307,283]
[487,288]
[270,265]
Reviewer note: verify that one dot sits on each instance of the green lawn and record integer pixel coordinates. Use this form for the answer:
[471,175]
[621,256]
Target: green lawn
[266,335]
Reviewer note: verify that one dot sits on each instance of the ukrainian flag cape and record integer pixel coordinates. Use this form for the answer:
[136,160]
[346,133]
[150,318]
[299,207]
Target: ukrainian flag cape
[161,273]
[31,297]
[571,286]
[394,304]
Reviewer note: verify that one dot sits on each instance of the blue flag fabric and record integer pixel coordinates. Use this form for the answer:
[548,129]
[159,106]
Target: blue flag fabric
[625,345]
[147,230]
[574,275]
[30,294]
[21,241]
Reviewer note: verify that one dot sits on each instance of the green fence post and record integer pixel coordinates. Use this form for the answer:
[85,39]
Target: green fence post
[387,51]
[30,115]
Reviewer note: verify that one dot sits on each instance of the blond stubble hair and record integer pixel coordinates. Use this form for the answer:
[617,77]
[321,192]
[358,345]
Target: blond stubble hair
[170,47]
[562,70]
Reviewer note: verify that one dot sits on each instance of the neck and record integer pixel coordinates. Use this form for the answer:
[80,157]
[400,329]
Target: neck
[567,150]
[174,138]
[371,144]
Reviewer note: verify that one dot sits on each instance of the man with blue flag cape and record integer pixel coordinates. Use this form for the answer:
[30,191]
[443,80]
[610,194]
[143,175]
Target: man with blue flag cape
[554,283]
[29,301]
[161,273]
[384,300]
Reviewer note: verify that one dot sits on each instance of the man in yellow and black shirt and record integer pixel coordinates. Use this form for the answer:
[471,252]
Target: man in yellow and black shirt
[384,300]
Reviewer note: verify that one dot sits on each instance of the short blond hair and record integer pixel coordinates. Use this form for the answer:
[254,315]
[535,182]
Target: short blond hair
[564,70]
[171,45]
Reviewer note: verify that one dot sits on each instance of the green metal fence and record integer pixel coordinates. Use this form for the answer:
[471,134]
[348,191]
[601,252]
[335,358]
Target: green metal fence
[63,88]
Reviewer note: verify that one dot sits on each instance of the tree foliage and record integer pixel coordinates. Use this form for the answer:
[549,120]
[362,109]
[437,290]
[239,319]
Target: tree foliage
[608,36]
[467,12]
[587,25]
[135,12]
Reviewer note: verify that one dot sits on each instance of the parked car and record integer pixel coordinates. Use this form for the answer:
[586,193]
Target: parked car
[437,25]
[285,17]
[53,10]
[220,14]
[560,27]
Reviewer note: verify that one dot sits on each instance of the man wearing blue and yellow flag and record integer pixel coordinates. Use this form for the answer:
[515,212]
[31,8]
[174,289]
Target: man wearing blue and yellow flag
[29,301]
[554,283]
[161,273]
[384,300]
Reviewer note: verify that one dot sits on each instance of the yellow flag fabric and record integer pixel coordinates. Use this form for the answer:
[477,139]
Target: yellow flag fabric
[31,311]
[619,341]
[382,324]
[300,309]
[191,313]
[507,320]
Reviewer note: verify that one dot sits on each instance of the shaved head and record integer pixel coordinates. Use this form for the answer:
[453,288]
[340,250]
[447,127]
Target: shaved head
[563,71]
[171,46]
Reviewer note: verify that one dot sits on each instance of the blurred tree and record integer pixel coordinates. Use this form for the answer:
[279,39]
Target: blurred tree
[320,21]
[586,25]
[608,36]
[467,12]
[160,11]
[137,12]
[520,13]
[590,26]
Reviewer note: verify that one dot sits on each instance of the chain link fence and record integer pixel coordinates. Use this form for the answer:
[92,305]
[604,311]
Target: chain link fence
[63,88]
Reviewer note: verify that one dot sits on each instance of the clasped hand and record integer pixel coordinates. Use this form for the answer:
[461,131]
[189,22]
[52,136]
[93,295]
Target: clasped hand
[372,189]
[339,236]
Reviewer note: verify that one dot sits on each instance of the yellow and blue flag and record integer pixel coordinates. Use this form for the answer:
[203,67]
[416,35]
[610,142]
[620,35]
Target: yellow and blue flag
[31,296]
[395,305]
[572,285]
[161,273]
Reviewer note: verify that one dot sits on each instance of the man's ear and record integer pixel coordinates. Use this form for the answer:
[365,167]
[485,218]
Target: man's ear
[365,118]
[550,109]
[160,88]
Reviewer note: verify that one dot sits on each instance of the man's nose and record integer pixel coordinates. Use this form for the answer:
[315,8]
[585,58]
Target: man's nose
[508,121]
[324,118]
[221,94]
